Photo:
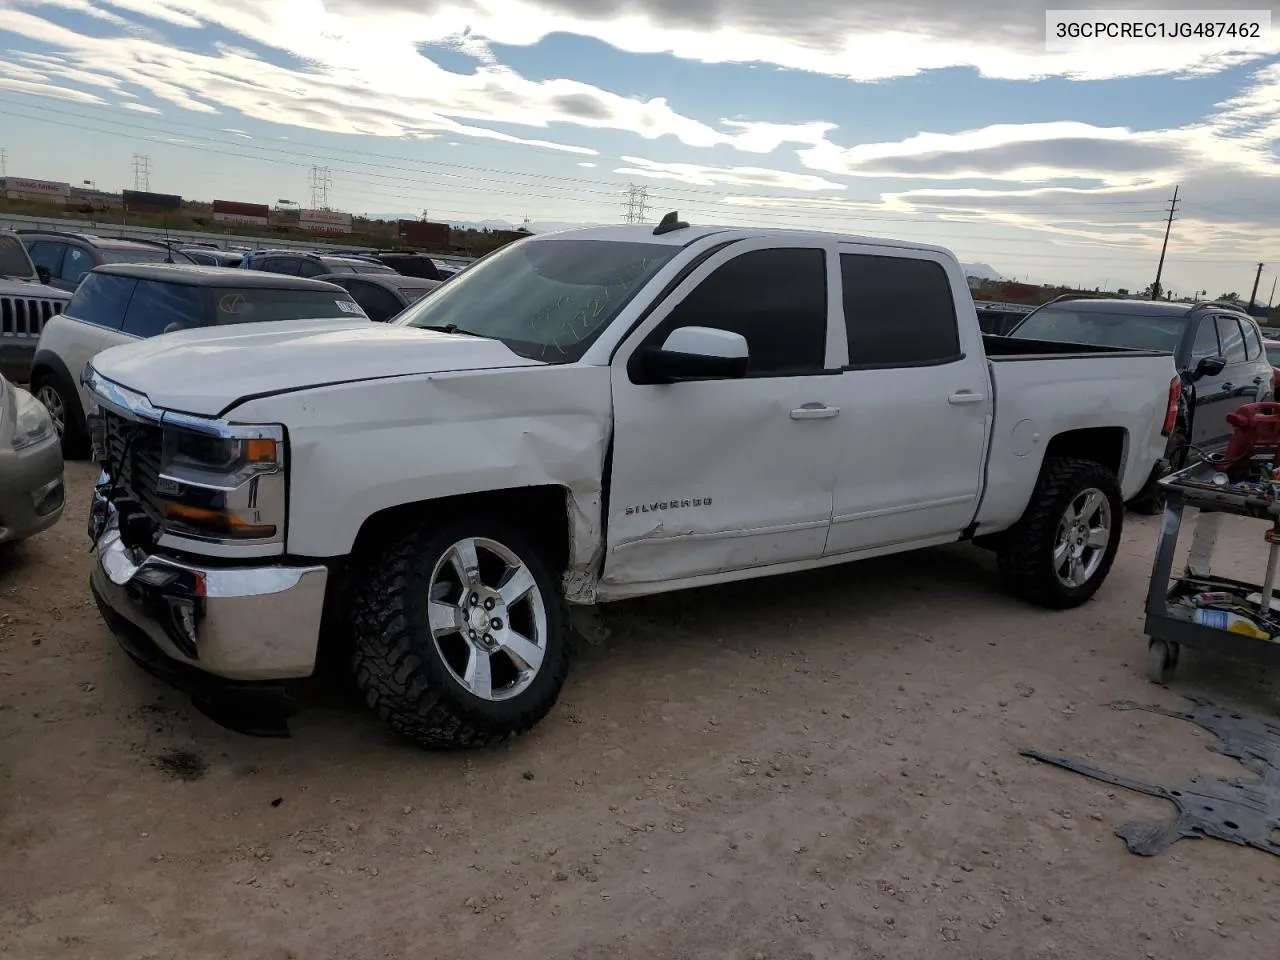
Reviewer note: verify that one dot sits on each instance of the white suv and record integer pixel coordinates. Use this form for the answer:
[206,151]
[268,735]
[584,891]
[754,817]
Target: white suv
[120,303]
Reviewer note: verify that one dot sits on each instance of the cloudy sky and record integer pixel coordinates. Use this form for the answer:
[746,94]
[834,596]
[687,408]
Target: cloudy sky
[939,120]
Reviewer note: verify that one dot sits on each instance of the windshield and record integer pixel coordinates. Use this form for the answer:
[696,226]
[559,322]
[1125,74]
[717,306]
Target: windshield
[252,305]
[140,255]
[545,299]
[1133,330]
[14,261]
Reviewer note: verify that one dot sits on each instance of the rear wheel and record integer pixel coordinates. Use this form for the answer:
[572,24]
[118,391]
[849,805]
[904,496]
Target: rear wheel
[461,634]
[1061,550]
[64,411]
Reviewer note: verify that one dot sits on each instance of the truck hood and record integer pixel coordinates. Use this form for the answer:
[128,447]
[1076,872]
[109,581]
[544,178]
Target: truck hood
[204,372]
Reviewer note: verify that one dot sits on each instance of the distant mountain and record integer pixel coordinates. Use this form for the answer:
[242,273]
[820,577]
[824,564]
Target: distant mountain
[981,270]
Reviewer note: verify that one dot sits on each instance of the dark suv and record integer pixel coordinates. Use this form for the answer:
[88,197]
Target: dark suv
[63,259]
[123,303]
[301,264]
[1216,347]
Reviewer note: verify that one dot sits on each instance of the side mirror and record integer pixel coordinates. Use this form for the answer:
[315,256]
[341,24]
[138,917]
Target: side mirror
[43,274]
[1208,367]
[698,353]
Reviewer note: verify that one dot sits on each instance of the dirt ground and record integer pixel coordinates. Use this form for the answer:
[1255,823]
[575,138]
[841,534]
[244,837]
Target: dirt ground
[816,766]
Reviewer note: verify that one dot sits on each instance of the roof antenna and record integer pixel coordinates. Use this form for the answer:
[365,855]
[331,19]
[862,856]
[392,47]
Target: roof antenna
[670,223]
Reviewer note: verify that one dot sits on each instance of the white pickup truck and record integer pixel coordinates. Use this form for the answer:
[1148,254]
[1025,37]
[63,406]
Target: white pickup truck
[583,417]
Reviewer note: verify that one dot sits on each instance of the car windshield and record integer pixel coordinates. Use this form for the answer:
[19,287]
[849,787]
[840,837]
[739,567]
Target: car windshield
[545,299]
[1134,330]
[140,255]
[251,305]
[14,261]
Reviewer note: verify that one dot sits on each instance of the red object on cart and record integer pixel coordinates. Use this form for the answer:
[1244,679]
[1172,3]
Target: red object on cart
[1256,429]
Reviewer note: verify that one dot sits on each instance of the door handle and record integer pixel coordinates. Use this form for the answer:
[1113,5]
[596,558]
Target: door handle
[815,411]
[961,397]
[1228,387]
[1257,379]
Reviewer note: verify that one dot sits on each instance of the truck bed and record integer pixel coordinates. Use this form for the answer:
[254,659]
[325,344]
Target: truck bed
[1044,390]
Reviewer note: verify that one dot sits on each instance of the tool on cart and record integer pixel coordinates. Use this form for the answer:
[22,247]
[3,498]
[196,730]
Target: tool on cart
[1201,609]
[1256,430]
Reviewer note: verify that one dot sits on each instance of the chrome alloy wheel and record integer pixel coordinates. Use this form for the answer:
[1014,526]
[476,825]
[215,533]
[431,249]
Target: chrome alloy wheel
[1082,537]
[52,402]
[488,618]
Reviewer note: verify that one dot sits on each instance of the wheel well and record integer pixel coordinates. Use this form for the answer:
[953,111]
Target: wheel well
[1102,445]
[540,512]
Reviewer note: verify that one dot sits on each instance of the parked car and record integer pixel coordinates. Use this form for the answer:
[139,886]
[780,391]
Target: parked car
[999,318]
[583,417]
[25,305]
[66,258]
[123,303]
[31,489]
[1218,350]
[407,263]
[296,264]
[381,297]
[213,258]
[1272,348]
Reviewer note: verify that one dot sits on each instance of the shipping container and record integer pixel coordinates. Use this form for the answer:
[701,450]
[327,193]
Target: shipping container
[424,234]
[49,191]
[324,221]
[140,201]
[233,211]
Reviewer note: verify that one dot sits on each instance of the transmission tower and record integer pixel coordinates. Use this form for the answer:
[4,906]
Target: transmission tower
[637,203]
[141,172]
[321,181]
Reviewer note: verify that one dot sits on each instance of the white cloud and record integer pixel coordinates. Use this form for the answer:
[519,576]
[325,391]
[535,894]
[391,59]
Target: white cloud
[706,176]
[139,108]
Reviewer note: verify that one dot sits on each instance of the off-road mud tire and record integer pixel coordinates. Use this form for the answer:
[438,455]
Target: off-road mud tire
[1026,555]
[399,670]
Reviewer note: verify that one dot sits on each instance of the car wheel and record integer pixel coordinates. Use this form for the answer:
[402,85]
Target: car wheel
[461,633]
[1060,551]
[64,411]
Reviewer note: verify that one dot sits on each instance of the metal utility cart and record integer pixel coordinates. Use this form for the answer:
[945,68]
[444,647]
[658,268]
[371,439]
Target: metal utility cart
[1199,609]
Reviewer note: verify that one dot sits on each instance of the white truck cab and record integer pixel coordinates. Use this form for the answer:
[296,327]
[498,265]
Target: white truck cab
[582,417]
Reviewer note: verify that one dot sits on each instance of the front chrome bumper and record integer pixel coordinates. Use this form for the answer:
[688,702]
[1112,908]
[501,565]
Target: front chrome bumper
[238,623]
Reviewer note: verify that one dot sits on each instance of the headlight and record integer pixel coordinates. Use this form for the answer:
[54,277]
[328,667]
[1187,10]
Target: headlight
[31,423]
[225,483]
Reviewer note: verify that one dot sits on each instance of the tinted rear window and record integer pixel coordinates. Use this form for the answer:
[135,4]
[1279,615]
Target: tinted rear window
[1065,325]
[258,306]
[101,300]
[1273,356]
[157,306]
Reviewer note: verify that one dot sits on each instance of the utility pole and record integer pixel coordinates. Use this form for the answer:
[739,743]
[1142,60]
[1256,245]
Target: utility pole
[637,203]
[1173,205]
[1271,299]
[4,163]
[1254,296]
[141,172]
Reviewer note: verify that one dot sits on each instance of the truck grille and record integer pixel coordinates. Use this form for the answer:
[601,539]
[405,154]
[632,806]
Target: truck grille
[26,316]
[130,452]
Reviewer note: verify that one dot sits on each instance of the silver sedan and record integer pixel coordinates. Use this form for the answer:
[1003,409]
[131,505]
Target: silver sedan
[31,490]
